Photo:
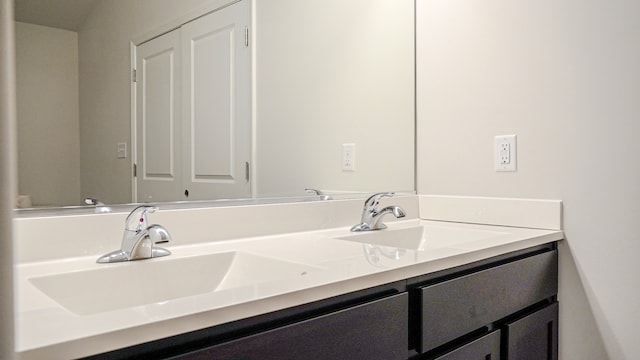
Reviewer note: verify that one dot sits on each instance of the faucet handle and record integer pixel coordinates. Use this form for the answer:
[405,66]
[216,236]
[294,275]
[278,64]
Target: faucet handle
[374,199]
[137,218]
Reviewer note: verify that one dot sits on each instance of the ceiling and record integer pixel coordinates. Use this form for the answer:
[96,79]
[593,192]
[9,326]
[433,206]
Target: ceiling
[62,14]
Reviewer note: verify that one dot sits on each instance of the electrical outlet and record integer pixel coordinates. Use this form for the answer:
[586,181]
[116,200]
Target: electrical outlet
[505,156]
[505,153]
[348,157]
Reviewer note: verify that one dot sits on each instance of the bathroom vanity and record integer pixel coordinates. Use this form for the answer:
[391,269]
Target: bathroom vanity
[502,305]
[419,289]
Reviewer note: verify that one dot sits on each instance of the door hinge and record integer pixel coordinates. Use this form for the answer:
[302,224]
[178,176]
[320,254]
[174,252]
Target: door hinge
[246,36]
[246,171]
[135,170]
[134,75]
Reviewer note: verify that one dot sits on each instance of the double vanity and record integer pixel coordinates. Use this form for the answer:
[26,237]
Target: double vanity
[296,286]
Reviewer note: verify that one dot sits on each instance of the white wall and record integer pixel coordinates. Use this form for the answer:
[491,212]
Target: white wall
[564,77]
[329,73]
[48,135]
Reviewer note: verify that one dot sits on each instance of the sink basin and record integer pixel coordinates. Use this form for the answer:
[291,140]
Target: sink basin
[124,285]
[404,238]
[420,237]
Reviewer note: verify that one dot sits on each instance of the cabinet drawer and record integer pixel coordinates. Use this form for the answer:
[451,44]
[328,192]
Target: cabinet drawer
[458,306]
[484,348]
[375,330]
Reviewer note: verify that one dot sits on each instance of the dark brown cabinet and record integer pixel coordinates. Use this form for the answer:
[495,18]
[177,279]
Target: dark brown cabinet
[515,299]
[502,308]
[375,330]
[534,336]
[486,347]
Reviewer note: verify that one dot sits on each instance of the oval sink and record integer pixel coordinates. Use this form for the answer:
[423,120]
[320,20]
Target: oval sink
[420,237]
[124,285]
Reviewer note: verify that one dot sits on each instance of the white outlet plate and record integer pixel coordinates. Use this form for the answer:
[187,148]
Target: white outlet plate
[348,157]
[505,153]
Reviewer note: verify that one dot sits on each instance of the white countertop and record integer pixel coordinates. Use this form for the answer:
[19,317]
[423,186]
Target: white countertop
[45,329]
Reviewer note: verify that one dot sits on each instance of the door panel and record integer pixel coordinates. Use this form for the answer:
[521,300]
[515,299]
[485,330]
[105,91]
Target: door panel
[534,337]
[484,348]
[158,132]
[216,78]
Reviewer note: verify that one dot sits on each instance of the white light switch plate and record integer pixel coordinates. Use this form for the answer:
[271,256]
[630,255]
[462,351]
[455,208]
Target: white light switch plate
[122,151]
[348,157]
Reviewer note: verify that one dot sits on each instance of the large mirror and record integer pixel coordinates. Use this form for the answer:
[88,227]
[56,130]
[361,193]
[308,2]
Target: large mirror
[329,79]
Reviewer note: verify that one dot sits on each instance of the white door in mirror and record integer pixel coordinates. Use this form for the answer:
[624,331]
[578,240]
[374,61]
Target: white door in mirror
[193,124]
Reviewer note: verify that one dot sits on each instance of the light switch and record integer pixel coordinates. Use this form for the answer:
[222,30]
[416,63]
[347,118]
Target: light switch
[348,157]
[122,151]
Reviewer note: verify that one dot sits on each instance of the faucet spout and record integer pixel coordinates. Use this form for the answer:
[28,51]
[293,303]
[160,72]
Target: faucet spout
[394,210]
[141,244]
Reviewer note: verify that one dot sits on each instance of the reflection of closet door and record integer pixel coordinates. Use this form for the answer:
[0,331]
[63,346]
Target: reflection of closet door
[216,104]
[158,125]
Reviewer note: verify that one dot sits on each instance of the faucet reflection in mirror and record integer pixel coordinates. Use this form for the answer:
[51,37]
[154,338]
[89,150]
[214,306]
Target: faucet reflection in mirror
[372,217]
[100,207]
[322,195]
[138,239]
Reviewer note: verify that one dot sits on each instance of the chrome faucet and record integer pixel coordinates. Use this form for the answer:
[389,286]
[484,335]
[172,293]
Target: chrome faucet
[322,195]
[138,239]
[372,217]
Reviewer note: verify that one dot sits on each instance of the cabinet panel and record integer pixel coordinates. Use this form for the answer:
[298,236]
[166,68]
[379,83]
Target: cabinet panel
[456,307]
[534,337]
[375,330]
[484,348]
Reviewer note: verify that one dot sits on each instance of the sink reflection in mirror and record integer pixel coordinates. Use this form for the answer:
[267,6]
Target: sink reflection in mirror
[127,285]
[420,238]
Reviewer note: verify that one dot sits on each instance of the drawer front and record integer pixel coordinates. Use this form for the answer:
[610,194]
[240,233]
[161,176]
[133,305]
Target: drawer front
[458,306]
[484,348]
[375,330]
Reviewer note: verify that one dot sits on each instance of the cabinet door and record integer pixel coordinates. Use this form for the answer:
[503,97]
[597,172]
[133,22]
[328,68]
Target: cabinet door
[484,348]
[534,337]
[375,330]
[216,104]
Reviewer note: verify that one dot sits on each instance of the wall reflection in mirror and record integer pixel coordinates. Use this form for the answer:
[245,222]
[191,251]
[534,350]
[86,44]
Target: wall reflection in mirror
[272,116]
